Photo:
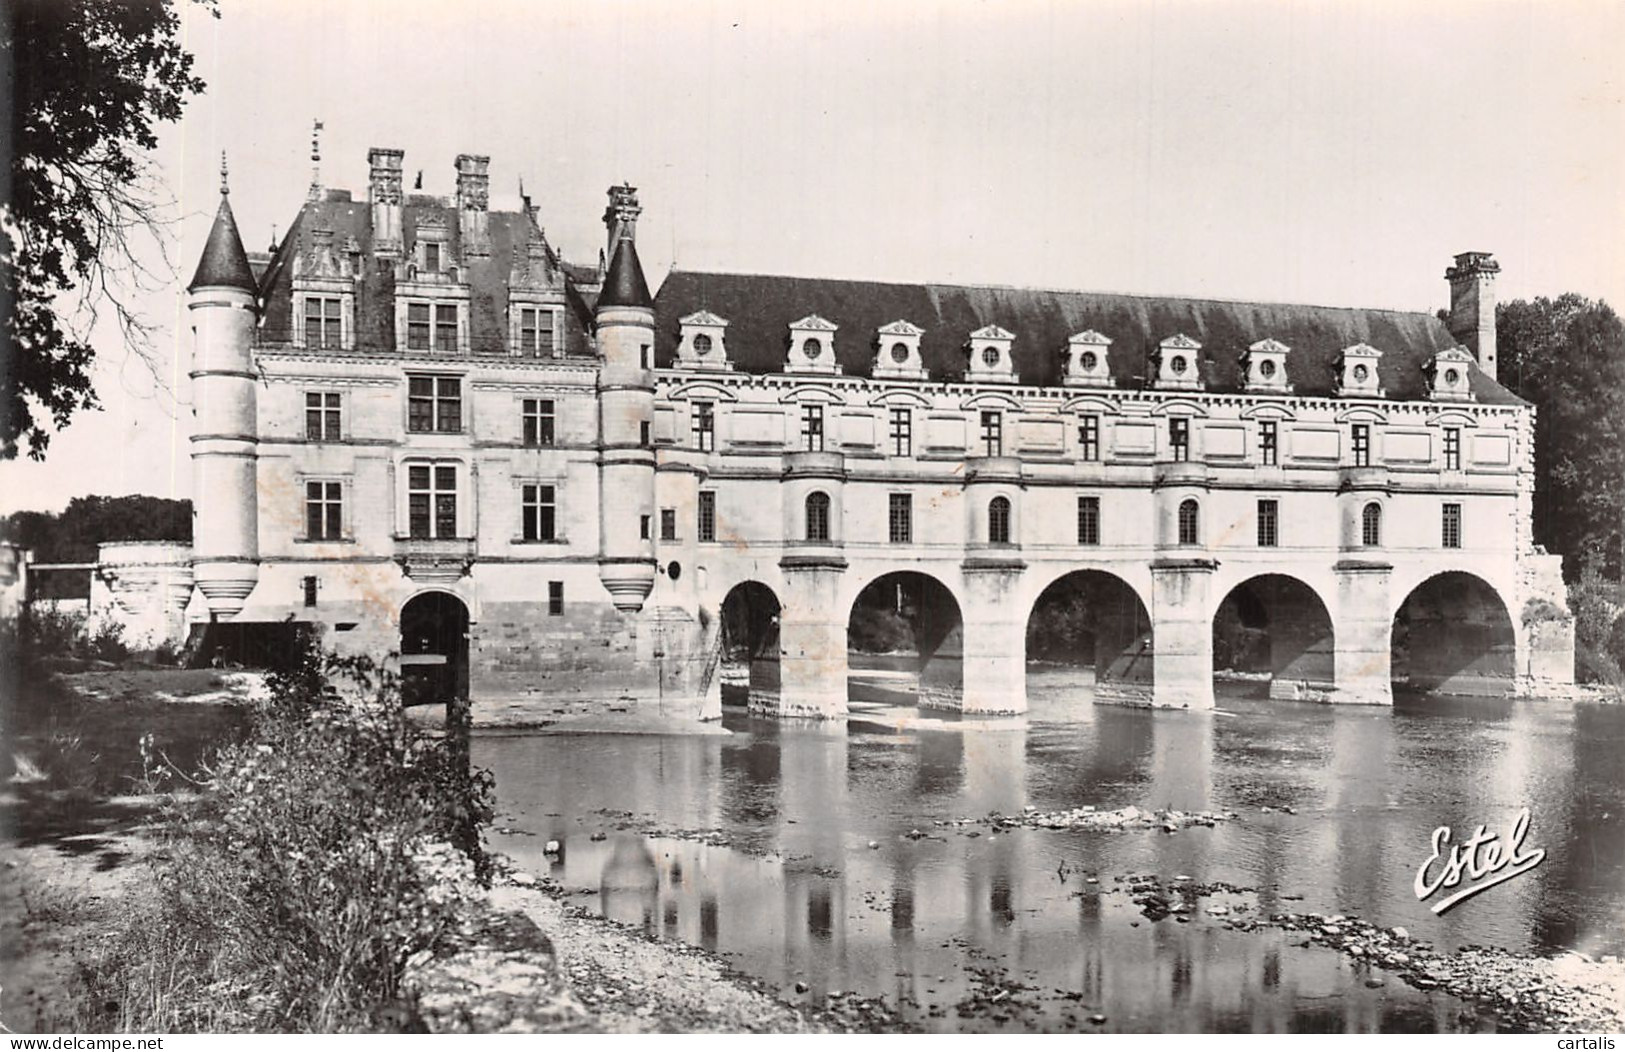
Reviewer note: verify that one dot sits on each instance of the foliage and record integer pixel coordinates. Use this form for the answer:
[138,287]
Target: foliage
[879,629]
[1568,357]
[72,535]
[317,860]
[91,80]
[46,632]
[1599,639]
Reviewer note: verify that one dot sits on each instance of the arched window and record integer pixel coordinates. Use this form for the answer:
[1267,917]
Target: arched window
[998,521]
[818,516]
[1371,525]
[1189,522]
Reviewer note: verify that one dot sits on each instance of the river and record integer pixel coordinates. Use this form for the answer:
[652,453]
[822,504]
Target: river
[787,849]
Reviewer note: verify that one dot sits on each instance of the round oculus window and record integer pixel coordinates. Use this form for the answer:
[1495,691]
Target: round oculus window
[674,570]
[1452,377]
[1266,368]
[1178,365]
[1361,373]
[899,353]
[990,356]
[812,349]
[1088,359]
[702,344]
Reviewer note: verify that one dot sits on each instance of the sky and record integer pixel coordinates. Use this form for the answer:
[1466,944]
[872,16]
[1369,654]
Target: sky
[1296,152]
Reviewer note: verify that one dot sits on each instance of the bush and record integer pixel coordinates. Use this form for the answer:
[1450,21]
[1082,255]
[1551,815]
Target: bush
[1596,605]
[329,847]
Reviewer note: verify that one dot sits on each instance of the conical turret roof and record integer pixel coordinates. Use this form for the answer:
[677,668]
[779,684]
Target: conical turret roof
[224,262]
[624,285]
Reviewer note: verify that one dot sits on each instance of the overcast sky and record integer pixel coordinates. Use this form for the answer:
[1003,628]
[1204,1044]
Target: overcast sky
[1298,152]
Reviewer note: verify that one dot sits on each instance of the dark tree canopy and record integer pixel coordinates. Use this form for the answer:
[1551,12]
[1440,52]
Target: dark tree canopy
[72,536]
[88,82]
[1567,356]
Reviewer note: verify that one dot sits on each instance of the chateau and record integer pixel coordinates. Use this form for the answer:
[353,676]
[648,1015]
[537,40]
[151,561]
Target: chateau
[423,431]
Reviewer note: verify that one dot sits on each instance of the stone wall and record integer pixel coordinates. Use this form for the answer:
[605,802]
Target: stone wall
[144,587]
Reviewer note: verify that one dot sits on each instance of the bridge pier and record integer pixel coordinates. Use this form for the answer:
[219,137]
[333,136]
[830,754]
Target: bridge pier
[995,648]
[812,642]
[1182,618]
[1363,660]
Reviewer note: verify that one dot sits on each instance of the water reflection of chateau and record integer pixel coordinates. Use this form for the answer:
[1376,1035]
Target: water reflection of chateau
[421,428]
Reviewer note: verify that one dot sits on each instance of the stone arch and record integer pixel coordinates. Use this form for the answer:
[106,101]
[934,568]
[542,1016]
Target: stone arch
[1277,624]
[434,647]
[905,632]
[1453,633]
[1094,618]
[750,641]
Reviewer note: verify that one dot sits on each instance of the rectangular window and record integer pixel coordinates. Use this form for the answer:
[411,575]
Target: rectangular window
[324,511]
[1451,527]
[1089,437]
[555,598]
[900,518]
[322,327]
[309,586]
[645,434]
[1269,433]
[1088,520]
[992,433]
[705,426]
[431,501]
[902,432]
[434,403]
[708,516]
[1179,437]
[1269,523]
[417,326]
[1362,445]
[537,414]
[431,256]
[643,527]
[322,416]
[668,524]
[445,328]
[536,332]
[1452,449]
[538,513]
[812,428]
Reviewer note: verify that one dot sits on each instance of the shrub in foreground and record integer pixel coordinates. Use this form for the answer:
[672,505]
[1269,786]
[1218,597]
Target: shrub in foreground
[324,851]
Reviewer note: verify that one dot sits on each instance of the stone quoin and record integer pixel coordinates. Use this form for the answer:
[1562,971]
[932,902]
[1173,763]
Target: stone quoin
[422,430]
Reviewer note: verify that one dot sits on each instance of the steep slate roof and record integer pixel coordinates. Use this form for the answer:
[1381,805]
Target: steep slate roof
[624,285]
[759,309]
[224,263]
[487,276]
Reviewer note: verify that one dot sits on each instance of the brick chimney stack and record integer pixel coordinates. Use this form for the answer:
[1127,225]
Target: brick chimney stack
[1472,306]
[474,203]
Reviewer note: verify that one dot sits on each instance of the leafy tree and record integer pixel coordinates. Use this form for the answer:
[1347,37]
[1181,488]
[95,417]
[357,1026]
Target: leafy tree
[72,536]
[1567,356]
[89,81]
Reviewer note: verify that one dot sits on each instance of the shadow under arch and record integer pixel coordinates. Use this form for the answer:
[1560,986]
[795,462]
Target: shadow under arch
[1454,635]
[750,644]
[1095,619]
[434,648]
[905,635]
[1274,624]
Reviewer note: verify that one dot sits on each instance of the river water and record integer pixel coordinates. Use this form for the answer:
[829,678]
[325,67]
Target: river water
[785,848]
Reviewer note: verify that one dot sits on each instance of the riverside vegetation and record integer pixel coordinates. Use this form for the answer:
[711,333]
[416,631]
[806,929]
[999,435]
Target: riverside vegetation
[297,871]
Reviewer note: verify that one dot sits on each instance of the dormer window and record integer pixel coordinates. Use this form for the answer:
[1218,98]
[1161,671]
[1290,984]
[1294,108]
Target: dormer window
[1176,364]
[536,332]
[1448,376]
[897,352]
[1263,367]
[323,321]
[431,257]
[1086,360]
[812,346]
[701,342]
[702,345]
[989,350]
[1357,372]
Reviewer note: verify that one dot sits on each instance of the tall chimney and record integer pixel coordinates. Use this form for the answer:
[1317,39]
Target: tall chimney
[474,203]
[621,217]
[384,192]
[1472,306]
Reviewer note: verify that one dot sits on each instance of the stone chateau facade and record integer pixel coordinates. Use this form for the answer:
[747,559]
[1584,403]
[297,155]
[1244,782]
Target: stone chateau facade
[422,430]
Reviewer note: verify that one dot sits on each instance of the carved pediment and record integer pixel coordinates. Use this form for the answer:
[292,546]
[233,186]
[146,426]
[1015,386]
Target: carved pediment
[992,332]
[813,323]
[702,317]
[900,327]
